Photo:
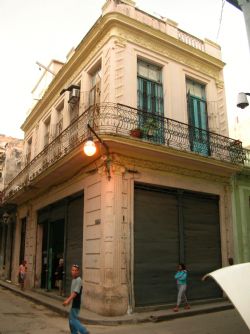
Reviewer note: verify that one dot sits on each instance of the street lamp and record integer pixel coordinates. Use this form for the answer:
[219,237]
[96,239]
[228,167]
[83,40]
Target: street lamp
[242,101]
[89,149]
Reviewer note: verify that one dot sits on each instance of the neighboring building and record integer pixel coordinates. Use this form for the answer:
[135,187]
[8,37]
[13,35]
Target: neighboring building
[11,155]
[2,160]
[243,5]
[141,204]
[240,128]
[241,212]
[11,163]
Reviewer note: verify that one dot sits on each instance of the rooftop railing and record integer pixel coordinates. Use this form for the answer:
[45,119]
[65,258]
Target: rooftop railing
[124,121]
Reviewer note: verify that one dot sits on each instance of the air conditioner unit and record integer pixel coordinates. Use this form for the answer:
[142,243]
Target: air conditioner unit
[74,95]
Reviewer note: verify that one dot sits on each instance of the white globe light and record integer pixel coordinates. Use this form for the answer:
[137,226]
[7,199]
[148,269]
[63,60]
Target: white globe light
[89,148]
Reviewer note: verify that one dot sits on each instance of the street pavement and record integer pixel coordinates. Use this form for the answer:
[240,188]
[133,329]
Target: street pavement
[54,303]
[19,315]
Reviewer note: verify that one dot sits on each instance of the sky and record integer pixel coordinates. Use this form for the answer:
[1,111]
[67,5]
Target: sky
[42,30]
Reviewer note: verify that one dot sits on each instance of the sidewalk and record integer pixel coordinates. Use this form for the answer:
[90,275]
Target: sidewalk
[54,302]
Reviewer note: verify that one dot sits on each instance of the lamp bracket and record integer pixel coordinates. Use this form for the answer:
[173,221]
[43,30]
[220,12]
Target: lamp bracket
[106,159]
[100,140]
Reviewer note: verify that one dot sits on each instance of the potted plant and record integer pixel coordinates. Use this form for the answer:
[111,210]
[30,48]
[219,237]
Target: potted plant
[137,132]
[150,126]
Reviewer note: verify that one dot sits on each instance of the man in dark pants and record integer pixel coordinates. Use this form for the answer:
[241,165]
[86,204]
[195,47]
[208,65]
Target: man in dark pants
[75,296]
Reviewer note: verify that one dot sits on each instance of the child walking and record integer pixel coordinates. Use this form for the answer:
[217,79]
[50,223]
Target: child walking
[181,280]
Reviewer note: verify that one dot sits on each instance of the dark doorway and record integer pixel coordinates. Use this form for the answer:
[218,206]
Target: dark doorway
[52,251]
[62,224]
[22,243]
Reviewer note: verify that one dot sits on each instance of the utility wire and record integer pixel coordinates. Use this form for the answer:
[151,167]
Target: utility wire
[221,14]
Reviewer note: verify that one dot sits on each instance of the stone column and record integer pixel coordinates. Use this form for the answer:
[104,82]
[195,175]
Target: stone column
[30,246]
[114,288]
[105,222]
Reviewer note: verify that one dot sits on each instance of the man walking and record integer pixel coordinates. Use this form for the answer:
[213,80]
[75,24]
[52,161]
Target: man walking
[75,297]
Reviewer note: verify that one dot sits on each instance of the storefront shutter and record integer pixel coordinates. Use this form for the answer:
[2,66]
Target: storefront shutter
[202,247]
[155,246]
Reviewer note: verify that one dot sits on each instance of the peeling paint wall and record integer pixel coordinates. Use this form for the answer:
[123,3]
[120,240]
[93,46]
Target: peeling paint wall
[11,156]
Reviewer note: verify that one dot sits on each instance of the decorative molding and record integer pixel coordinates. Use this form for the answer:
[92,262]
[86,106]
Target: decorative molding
[169,51]
[219,84]
[119,72]
[135,163]
[106,68]
[120,42]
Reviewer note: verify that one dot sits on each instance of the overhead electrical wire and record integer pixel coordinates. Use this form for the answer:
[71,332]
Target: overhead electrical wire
[220,21]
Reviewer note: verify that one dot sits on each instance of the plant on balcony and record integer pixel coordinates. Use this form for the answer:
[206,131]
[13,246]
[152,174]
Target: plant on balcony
[137,133]
[150,126]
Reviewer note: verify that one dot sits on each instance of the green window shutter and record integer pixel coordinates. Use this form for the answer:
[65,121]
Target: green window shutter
[198,132]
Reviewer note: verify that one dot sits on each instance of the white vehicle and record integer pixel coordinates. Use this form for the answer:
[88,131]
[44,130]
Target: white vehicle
[235,281]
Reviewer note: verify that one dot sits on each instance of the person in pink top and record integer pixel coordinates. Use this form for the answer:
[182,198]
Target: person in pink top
[22,274]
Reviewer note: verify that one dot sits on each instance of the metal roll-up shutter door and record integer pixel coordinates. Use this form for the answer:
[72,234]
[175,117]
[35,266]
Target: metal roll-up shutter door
[74,242]
[202,246]
[155,246]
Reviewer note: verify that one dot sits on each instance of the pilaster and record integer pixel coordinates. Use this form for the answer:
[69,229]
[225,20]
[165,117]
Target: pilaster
[105,284]
[114,288]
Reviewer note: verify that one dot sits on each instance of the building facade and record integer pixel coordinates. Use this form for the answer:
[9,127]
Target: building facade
[11,163]
[157,191]
[241,211]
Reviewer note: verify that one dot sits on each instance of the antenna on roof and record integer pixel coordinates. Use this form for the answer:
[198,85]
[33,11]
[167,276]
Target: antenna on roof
[45,67]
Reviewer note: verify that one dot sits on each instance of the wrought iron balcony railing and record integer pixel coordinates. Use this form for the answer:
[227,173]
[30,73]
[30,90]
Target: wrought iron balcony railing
[121,120]
[246,157]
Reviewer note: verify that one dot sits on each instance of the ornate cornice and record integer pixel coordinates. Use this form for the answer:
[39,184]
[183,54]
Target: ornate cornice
[174,52]
[136,164]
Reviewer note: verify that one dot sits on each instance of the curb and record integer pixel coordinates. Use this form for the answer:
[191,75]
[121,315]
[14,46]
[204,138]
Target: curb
[190,313]
[210,308]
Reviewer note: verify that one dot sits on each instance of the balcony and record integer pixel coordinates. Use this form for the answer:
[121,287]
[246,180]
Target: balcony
[122,121]
[247,158]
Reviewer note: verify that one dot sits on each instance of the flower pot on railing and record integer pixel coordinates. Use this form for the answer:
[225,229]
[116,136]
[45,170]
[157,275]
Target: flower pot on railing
[150,127]
[137,133]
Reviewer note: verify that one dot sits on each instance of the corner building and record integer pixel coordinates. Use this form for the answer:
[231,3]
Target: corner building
[156,192]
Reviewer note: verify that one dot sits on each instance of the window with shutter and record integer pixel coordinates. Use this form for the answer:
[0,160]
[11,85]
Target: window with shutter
[197,117]
[150,100]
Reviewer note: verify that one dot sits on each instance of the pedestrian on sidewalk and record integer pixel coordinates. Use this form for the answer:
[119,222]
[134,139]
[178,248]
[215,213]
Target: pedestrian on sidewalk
[181,281]
[75,297]
[59,276]
[22,274]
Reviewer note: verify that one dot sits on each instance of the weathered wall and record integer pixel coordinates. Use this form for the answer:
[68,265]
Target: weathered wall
[241,216]
[11,155]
